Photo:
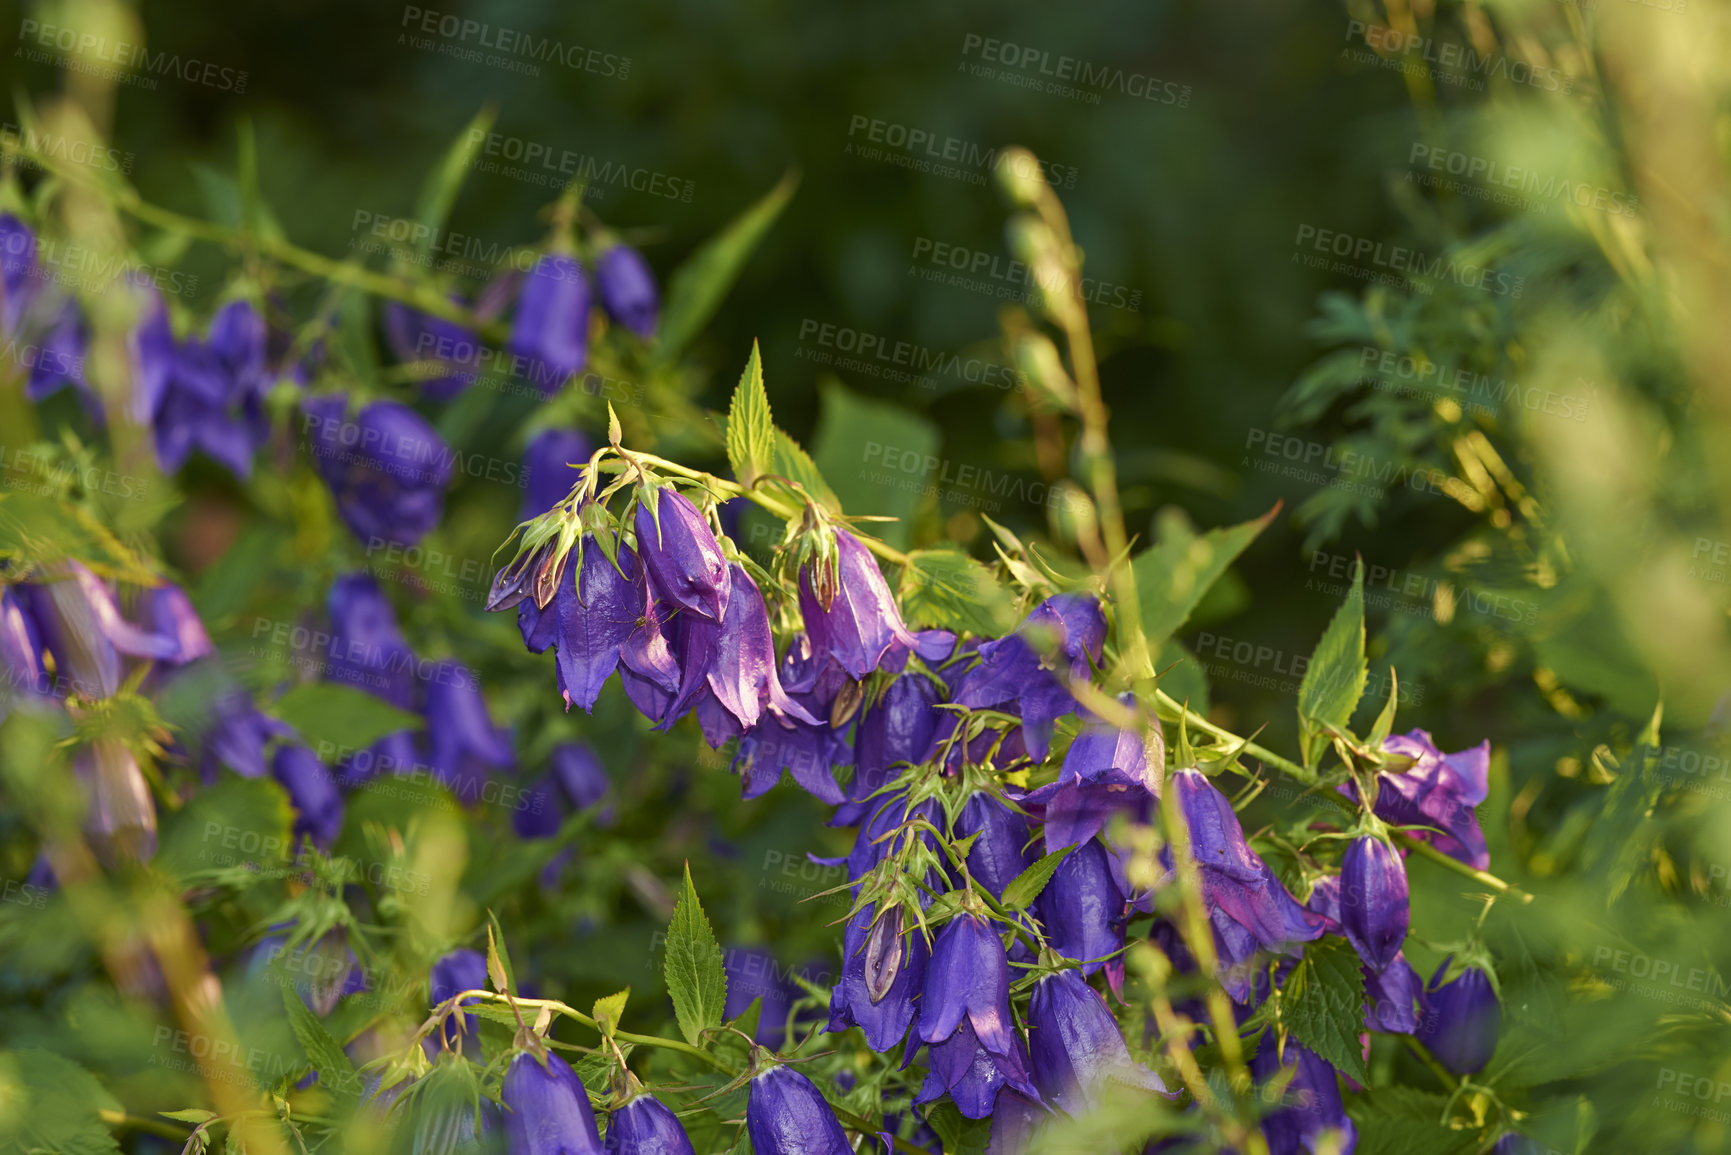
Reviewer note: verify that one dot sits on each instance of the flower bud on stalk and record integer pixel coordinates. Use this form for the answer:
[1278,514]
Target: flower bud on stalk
[1373,900]
[547,1110]
[1460,1019]
[680,553]
[551,329]
[1043,370]
[645,1126]
[628,289]
[787,1115]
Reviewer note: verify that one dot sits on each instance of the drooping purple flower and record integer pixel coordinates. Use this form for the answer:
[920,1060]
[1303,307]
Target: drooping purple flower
[898,728]
[1460,1019]
[236,735]
[59,359]
[465,744]
[312,791]
[547,462]
[77,619]
[18,265]
[367,650]
[606,621]
[547,1110]
[809,751]
[683,560]
[1078,1052]
[447,353]
[860,621]
[455,972]
[22,674]
[1311,1104]
[120,822]
[213,398]
[1085,913]
[1012,674]
[645,1126]
[1001,851]
[1392,997]
[1015,1120]
[1373,900]
[1438,790]
[166,612]
[787,1115]
[386,467]
[551,329]
[627,289]
[1107,771]
[883,971]
[968,981]
[972,1075]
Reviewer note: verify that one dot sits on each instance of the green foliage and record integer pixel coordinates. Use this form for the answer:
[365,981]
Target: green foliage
[49,1103]
[1023,889]
[340,715]
[751,440]
[947,589]
[695,977]
[1334,678]
[1173,575]
[853,436]
[1322,1004]
[337,1075]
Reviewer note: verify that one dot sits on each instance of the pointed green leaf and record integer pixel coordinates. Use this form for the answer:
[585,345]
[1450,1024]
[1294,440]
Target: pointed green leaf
[1334,679]
[697,287]
[439,193]
[750,429]
[1026,886]
[796,464]
[695,977]
[1172,575]
[499,970]
[946,589]
[607,1011]
[1322,1004]
[336,1073]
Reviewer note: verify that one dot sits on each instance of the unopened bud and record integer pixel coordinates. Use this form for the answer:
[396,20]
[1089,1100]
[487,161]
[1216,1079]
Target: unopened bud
[1041,368]
[1020,177]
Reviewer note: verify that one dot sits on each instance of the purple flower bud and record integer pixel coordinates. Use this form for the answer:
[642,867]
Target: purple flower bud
[318,806]
[968,980]
[1107,771]
[551,328]
[460,970]
[121,820]
[547,472]
[1012,674]
[1514,1143]
[861,622]
[166,616]
[787,1115]
[18,282]
[547,1110]
[883,970]
[1310,1105]
[645,1126]
[1438,790]
[367,650]
[1085,913]
[1461,1019]
[627,289]
[1000,852]
[465,743]
[898,729]
[447,353]
[1078,1051]
[578,771]
[973,1075]
[1373,900]
[681,556]
[387,468]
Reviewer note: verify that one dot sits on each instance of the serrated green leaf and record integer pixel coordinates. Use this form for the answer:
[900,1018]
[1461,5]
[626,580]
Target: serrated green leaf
[1405,1121]
[695,977]
[1026,886]
[793,462]
[698,286]
[946,589]
[1334,679]
[439,193]
[1174,574]
[879,457]
[606,1012]
[1322,1004]
[52,1104]
[341,715]
[236,822]
[337,1075]
[750,428]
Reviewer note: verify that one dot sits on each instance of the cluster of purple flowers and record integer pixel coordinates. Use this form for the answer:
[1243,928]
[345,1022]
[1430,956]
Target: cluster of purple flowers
[42,330]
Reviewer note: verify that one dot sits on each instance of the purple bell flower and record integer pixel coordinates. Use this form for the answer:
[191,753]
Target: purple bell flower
[77,619]
[1311,1103]
[1001,851]
[312,791]
[386,467]
[236,736]
[367,650]
[547,1110]
[59,360]
[50,329]
[120,823]
[1078,1051]
[809,751]
[1460,1019]
[645,1126]
[449,354]
[581,778]
[968,981]
[1438,790]
[465,743]
[1015,1120]
[860,622]
[605,620]
[1390,994]
[898,728]
[683,560]
[548,476]
[460,970]
[787,1115]
[627,289]
[551,329]
[214,396]
[1107,771]
[1373,900]
[1085,913]
[19,284]
[22,675]
[883,971]
[962,1067]
[1012,675]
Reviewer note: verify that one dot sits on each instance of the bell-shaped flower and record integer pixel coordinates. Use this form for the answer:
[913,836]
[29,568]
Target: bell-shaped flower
[1373,900]
[447,355]
[968,980]
[1438,790]
[367,650]
[460,970]
[1000,852]
[1460,1019]
[1078,1052]
[386,467]
[681,556]
[627,289]
[1392,993]
[786,1114]
[604,619]
[465,744]
[551,328]
[214,397]
[973,1075]
[1015,676]
[854,620]
[547,468]
[1085,913]
[810,752]
[547,1110]
[1016,1119]
[883,972]
[312,791]
[22,675]
[77,619]
[898,728]
[1107,771]
[1311,1104]
[19,277]
[120,822]
[646,1126]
